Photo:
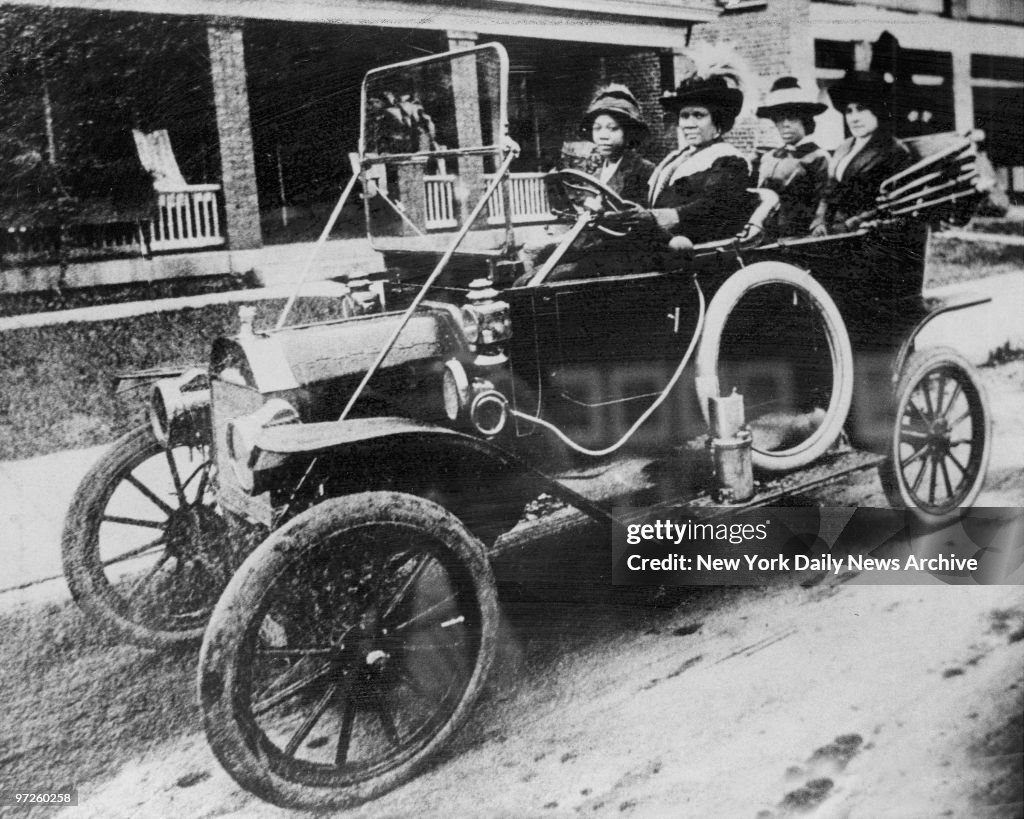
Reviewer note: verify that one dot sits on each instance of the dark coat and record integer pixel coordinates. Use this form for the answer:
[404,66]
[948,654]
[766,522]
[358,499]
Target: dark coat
[710,204]
[798,174]
[856,192]
[630,179]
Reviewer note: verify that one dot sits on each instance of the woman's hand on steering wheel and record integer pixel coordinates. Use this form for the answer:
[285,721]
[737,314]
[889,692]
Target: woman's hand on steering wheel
[623,221]
[615,216]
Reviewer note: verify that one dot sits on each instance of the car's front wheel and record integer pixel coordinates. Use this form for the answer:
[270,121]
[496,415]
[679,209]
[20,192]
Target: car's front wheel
[347,650]
[144,547]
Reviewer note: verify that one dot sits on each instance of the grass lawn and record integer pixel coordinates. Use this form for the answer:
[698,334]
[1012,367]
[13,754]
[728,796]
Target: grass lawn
[950,261]
[57,385]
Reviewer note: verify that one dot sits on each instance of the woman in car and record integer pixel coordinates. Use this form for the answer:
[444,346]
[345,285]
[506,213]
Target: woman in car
[614,123]
[861,163]
[697,194]
[700,190]
[798,169]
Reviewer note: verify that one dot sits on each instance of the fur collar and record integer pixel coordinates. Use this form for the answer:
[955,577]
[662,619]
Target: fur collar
[688,161]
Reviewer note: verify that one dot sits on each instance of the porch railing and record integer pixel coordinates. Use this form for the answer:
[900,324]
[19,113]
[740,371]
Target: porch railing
[186,218]
[527,196]
[440,202]
[1011,179]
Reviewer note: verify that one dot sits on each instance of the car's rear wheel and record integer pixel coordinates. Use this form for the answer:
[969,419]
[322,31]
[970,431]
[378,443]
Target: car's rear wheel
[774,334]
[940,442]
[144,549]
[347,650]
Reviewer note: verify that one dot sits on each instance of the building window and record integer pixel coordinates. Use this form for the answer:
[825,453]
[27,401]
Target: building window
[923,101]
[998,90]
[833,57]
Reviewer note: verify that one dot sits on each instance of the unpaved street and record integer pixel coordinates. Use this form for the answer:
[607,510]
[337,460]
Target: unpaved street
[872,700]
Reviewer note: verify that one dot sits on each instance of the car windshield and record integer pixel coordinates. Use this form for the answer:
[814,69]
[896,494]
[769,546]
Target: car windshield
[432,134]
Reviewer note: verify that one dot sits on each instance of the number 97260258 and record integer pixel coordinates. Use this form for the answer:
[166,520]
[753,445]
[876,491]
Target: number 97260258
[12,796]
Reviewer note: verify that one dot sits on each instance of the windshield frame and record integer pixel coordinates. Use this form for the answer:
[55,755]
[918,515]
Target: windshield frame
[476,150]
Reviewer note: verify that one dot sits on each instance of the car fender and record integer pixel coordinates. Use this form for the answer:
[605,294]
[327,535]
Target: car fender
[476,479]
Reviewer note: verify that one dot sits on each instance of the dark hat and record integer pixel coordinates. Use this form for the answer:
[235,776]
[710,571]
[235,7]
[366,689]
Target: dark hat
[787,95]
[709,92]
[615,100]
[870,88]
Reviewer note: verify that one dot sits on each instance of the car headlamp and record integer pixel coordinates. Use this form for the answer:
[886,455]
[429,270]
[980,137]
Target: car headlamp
[471,324]
[486,319]
[179,407]
[455,385]
[489,412]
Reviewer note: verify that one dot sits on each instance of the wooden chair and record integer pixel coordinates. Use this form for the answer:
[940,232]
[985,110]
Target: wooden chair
[187,216]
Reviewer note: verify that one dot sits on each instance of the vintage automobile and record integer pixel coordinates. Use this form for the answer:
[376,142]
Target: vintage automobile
[385,457]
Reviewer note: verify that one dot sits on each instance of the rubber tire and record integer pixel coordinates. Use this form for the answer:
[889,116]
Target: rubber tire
[232,744]
[917,367]
[722,305]
[79,547]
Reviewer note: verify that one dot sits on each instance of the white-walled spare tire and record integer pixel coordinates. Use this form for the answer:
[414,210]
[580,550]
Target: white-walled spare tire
[782,284]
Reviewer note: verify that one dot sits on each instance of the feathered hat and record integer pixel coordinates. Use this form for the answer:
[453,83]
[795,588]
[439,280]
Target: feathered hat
[870,88]
[617,101]
[874,87]
[714,77]
[787,95]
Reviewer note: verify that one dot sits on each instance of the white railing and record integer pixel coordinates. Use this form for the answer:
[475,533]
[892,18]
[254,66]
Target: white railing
[77,241]
[440,201]
[1011,180]
[527,195]
[186,218]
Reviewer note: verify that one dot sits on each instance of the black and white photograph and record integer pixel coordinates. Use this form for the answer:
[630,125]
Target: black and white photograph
[512,408]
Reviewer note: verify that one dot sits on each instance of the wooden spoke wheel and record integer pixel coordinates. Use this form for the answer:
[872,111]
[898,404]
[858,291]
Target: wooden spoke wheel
[940,443]
[143,547]
[347,649]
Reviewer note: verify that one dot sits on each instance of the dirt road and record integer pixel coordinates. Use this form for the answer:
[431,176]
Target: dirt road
[859,701]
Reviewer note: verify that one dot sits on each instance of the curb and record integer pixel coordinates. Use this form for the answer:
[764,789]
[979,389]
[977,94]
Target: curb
[107,312]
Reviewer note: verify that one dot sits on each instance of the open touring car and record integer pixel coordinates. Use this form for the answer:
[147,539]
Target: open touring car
[387,455]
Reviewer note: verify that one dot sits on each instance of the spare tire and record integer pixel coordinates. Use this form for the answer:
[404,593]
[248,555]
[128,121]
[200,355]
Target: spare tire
[774,334]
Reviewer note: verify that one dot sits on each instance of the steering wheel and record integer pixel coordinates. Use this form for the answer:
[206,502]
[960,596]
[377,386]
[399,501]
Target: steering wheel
[575,191]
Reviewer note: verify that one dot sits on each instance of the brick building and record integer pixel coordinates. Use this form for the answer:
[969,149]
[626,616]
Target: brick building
[961,62]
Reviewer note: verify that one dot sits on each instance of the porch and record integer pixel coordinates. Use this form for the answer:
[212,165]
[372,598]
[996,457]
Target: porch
[182,219]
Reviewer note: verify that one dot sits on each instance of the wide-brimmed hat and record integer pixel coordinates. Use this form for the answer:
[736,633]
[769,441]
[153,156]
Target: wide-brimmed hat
[714,91]
[867,87]
[787,95]
[617,101]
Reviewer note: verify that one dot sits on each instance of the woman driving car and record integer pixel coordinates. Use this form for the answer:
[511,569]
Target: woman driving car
[616,126]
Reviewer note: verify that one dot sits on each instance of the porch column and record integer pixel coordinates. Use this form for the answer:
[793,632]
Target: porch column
[466,91]
[234,130]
